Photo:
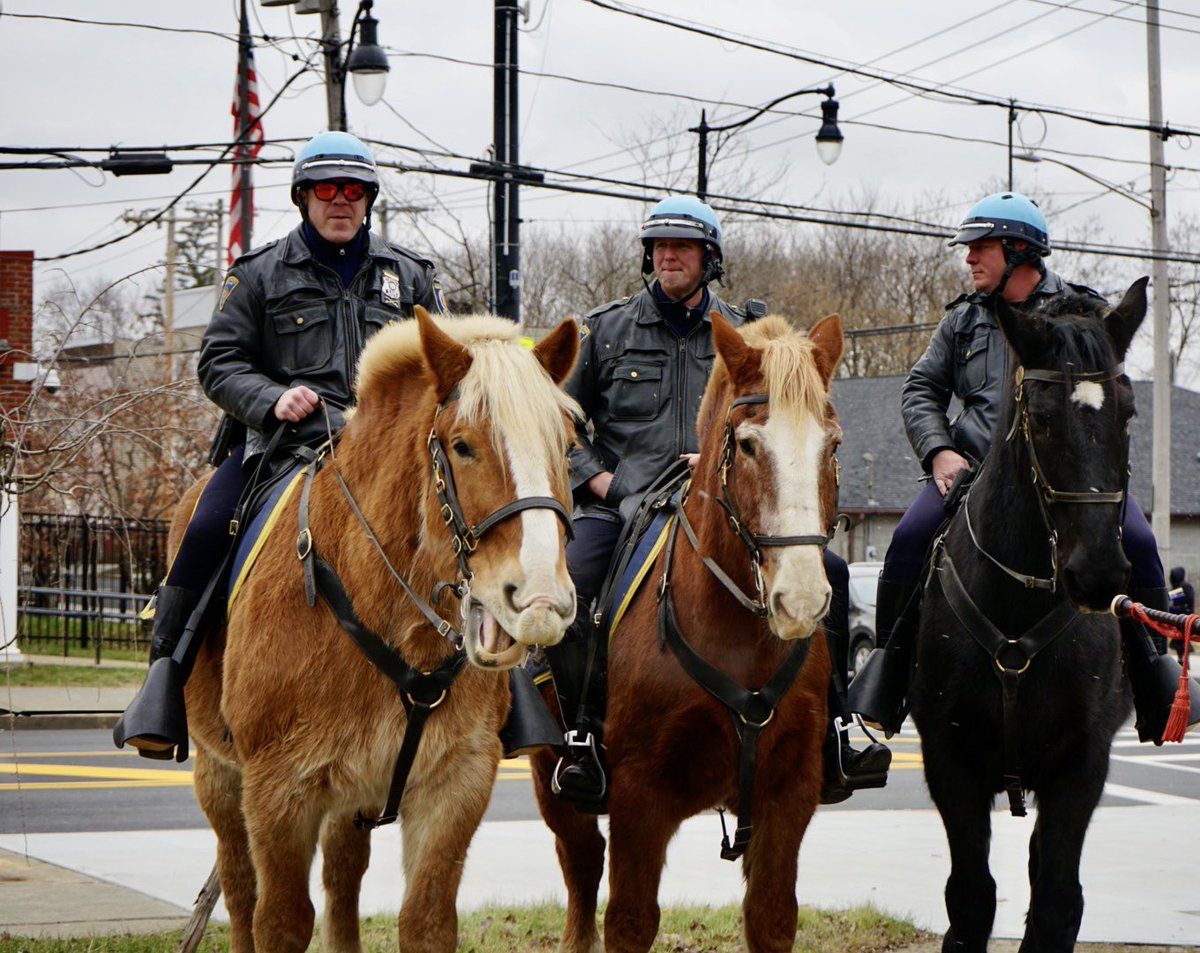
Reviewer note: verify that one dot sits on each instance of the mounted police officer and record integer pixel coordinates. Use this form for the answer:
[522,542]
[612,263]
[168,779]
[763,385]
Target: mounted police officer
[1007,240]
[643,367]
[291,321]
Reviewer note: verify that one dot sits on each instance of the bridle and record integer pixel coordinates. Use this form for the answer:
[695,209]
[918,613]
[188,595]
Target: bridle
[753,542]
[465,537]
[1048,495]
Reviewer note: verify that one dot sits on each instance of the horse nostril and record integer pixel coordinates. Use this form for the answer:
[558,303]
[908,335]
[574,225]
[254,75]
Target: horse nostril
[510,596]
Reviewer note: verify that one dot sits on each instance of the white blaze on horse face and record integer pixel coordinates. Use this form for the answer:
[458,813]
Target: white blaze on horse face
[1089,394]
[798,593]
[544,599]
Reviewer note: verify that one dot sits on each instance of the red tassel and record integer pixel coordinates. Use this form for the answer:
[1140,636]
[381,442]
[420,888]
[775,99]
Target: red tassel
[1181,707]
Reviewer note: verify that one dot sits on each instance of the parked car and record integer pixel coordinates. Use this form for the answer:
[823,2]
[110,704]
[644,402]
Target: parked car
[864,578]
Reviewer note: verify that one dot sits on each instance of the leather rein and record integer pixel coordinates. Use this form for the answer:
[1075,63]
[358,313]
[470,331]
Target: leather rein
[420,691]
[1013,656]
[750,710]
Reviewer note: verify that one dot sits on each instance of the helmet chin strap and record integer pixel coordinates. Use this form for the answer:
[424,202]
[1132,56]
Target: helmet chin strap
[1013,259]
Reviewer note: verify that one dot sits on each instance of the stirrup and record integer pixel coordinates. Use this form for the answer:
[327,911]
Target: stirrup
[581,752]
[837,785]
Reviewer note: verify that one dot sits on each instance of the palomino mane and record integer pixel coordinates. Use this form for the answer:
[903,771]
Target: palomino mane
[793,382]
[505,382]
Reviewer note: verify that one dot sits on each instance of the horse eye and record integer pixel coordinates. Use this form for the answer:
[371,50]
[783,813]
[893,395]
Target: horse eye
[463,449]
[746,445]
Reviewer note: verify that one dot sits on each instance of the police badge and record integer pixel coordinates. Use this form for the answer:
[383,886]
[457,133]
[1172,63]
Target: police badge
[391,289]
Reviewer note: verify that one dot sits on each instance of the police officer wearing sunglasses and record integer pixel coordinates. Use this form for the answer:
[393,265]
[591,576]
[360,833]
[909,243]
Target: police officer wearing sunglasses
[290,324]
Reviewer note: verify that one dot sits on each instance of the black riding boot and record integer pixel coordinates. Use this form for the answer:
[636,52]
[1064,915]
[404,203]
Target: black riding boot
[846,770]
[1153,674]
[529,725]
[581,776]
[879,693]
[155,722]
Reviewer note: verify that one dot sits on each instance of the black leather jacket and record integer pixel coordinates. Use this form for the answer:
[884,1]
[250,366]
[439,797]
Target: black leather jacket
[967,358]
[284,319]
[640,385]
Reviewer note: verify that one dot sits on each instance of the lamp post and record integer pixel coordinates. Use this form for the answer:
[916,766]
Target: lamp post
[367,63]
[829,136]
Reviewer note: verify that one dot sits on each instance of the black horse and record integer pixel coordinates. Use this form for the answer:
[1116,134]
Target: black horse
[1018,686]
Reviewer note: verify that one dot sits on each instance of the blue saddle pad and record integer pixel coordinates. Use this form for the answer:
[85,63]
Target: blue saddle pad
[263,521]
[644,554]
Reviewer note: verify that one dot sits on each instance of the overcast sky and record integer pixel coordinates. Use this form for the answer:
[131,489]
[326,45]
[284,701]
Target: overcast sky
[76,85]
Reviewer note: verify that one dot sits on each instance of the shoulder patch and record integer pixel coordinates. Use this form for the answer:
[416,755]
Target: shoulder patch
[227,289]
[584,331]
[438,296]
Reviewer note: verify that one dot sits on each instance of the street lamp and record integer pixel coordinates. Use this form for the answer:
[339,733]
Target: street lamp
[829,136]
[367,63]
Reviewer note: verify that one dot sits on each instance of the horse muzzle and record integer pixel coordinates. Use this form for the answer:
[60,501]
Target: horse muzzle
[491,645]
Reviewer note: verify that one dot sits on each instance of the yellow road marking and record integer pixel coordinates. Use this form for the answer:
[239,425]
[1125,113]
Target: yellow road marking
[96,785]
[106,773]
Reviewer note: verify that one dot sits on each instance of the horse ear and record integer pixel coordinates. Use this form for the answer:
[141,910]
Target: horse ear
[447,360]
[558,350]
[740,358]
[1123,321]
[1026,334]
[829,343]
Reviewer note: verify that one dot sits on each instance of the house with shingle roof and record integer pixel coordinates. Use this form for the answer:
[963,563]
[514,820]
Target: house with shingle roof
[880,474]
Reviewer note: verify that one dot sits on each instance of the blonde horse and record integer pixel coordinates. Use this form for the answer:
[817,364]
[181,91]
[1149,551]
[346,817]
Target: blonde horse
[296,731]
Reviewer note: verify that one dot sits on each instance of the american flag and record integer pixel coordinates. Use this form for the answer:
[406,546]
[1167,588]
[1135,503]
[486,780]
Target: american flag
[250,150]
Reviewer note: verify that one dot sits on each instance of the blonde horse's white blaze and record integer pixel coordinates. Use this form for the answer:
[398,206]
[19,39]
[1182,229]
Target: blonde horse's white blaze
[531,597]
[1088,394]
[798,594]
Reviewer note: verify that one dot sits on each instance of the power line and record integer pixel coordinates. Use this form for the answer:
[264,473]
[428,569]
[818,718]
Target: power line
[1139,21]
[977,99]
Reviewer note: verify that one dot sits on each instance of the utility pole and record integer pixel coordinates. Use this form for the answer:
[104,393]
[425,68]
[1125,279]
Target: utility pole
[169,297]
[331,42]
[506,227]
[1161,462]
[243,150]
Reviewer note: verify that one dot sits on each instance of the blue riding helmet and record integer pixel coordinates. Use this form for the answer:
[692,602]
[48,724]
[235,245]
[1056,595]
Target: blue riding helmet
[1008,216]
[683,216]
[334,156]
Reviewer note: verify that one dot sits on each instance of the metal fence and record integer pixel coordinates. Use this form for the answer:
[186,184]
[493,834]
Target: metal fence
[84,579]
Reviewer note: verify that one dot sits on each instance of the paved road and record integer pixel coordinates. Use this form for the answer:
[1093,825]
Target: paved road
[59,781]
[67,799]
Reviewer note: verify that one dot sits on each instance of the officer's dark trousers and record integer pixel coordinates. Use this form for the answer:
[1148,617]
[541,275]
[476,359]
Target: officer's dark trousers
[914,535]
[207,539]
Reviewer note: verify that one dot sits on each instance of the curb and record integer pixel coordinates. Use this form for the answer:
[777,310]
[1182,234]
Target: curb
[19,721]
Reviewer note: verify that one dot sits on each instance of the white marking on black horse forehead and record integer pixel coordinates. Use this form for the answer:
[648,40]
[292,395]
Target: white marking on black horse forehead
[1089,394]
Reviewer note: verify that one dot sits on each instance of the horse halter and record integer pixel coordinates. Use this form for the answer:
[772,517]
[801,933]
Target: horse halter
[465,537]
[754,542]
[1047,495]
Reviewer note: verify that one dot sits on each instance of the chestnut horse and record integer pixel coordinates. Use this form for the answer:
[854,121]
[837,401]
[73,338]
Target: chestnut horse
[295,729]
[767,433]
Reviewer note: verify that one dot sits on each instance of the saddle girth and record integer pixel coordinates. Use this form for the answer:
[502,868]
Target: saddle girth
[751,711]
[1012,658]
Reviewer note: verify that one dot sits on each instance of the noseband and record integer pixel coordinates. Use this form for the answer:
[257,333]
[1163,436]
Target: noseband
[1047,495]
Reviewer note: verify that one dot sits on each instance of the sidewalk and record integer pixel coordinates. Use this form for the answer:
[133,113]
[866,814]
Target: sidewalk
[1138,873]
[64,707]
